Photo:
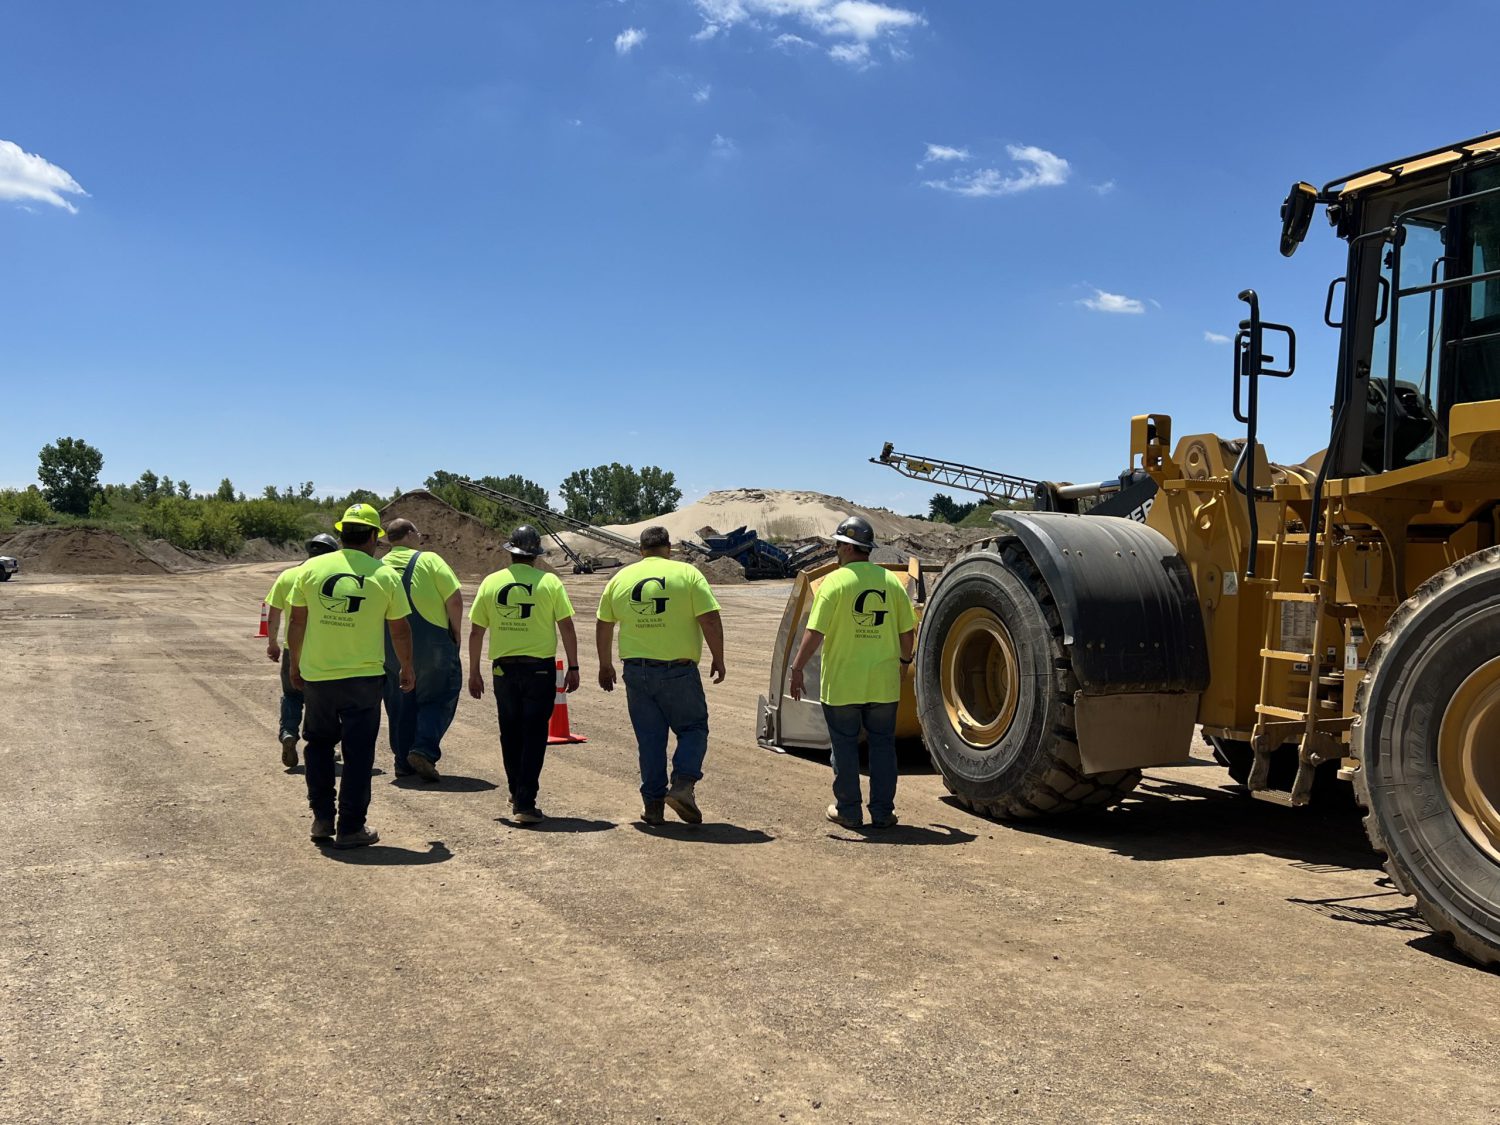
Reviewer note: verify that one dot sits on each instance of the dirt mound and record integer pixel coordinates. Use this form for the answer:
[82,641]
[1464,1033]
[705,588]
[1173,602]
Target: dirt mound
[78,550]
[263,550]
[722,572]
[470,547]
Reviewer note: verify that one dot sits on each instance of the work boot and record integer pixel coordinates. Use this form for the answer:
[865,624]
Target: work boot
[889,820]
[655,812]
[425,767]
[359,838]
[680,798]
[841,820]
[322,830]
[532,815]
[289,749]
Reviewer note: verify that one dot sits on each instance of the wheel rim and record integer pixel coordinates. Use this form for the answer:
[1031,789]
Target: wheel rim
[980,679]
[1468,758]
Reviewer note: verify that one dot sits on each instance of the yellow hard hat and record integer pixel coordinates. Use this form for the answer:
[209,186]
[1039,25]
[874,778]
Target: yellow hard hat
[361,514]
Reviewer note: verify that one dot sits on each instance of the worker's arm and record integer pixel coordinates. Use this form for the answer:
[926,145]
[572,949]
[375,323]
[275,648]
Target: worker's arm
[810,642]
[908,645]
[273,632]
[604,641]
[401,642]
[294,634]
[455,607]
[713,632]
[476,651]
[569,634]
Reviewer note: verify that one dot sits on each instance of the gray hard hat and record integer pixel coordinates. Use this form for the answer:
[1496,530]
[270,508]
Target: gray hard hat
[524,540]
[321,544]
[857,532]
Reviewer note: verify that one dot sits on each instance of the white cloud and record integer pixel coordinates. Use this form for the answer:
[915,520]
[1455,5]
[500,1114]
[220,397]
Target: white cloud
[1113,303]
[26,176]
[703,93]
[1105,188]
[1215,338]
[629,39]
[938,153]
[848,26]
[722,147]
[1040,169]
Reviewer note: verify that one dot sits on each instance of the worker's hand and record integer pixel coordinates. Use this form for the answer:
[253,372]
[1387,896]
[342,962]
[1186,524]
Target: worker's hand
[716,669]
[408,678]
[273,650]
[607,677]
[794,685]
[294,674]
[570,681]
[476,684]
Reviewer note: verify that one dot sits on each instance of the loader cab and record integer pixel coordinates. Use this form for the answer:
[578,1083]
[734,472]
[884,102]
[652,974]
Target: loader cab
[1420,304]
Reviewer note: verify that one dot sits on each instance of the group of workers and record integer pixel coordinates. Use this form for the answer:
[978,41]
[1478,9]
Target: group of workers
[374,621]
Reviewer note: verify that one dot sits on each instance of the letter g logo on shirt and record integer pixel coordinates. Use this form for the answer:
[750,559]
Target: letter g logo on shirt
[508,608]
[644,605]
[333,601]
[870,617]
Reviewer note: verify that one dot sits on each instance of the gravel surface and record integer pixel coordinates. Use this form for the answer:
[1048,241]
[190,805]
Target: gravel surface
[173,949]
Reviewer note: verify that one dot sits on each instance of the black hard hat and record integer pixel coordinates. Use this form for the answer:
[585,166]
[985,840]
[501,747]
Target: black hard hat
[321,544]
[857,532]
[524,540]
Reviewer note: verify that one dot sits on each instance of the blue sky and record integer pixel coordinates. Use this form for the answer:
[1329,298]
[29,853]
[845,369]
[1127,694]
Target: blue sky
[747,240]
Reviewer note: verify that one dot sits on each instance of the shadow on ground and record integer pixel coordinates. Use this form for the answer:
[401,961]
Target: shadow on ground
[1166,820]
[388,855]
[912,760]
[720,833]
[447,783]
[909,834]
[561,824]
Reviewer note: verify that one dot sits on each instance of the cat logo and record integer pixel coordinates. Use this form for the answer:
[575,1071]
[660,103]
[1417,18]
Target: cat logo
[517,610]
[333,601]
[648,606]
[869,617]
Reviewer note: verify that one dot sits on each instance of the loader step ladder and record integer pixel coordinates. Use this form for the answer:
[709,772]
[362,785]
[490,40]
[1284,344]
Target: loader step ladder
[1317,724]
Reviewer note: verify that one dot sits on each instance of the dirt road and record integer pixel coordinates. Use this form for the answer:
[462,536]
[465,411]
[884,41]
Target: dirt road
[173,949]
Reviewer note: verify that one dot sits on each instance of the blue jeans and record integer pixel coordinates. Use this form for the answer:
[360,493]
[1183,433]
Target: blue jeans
[666,698]
[418,719]
[879,722]
[291,701]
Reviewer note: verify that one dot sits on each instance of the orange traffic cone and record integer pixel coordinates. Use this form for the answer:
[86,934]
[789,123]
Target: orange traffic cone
[557,729]
[265,616]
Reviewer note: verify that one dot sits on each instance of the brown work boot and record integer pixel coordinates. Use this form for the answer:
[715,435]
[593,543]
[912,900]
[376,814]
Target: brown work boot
[359,838]
[423,767]
[680,798]
[528,816]
[841,820]
[322,830]
[289,749]
[655,812]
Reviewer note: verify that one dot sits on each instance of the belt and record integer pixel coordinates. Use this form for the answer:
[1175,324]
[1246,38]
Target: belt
[510,661]
[643,662]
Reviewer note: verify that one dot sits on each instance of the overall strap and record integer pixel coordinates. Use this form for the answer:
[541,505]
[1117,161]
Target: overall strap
[406,574]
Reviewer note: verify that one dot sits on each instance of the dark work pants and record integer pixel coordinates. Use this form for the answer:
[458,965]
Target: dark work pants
[347,712]
[418,719]
[525,690]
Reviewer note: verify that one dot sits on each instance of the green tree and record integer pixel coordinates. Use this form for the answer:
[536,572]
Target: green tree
[226,491]
[146,486]
[942,508]
[184,490]
[617,493]
[69,474]
[444,485]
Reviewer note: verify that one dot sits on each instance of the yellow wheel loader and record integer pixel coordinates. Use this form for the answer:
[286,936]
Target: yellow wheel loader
[1332,622]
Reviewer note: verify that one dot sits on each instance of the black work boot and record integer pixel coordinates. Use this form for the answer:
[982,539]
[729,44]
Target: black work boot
[655,812]
[680,798]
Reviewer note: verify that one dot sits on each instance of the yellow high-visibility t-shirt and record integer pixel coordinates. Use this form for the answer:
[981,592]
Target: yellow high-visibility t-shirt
[861,609]
[281,590]
[349,597]
[521,607]
[657,603]
[432,583]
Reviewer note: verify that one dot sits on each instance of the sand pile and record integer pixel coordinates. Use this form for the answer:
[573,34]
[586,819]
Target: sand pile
[722,572]
[78,550]
[467,545]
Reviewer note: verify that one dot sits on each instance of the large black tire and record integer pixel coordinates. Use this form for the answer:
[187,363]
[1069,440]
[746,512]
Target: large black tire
[1030,768]
[5,575]
[1437,642]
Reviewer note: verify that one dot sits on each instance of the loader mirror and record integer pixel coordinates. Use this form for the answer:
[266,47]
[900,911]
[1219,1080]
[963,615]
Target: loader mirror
[1296,213]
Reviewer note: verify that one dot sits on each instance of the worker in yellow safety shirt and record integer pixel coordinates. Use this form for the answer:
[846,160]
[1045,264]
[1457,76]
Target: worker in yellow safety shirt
[341,603]
[276,607]
[864,621]
[665,612]
[524,609]
[418,719]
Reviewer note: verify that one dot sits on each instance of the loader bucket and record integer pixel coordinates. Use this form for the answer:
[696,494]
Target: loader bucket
[784,723]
